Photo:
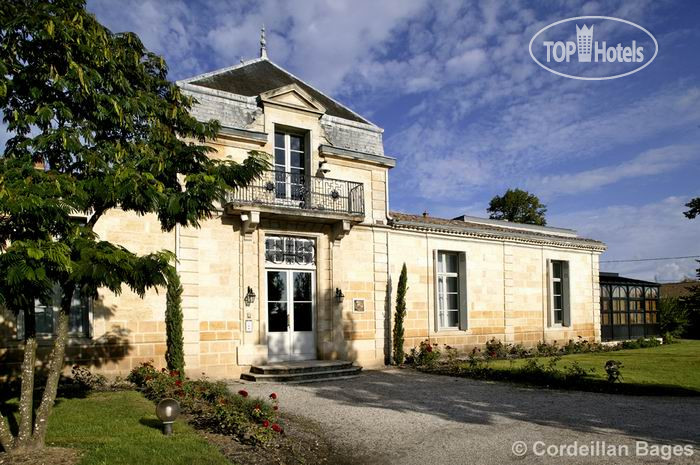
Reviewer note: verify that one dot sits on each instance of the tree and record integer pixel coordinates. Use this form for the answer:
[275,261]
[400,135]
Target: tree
[692,301]
[694,208]
[175,351]
[95,126]
[518,206]
[399,315]
[673,316]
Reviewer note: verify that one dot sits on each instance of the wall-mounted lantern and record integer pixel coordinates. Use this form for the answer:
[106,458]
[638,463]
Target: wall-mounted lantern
[167,411]
[249,297]
[339,296]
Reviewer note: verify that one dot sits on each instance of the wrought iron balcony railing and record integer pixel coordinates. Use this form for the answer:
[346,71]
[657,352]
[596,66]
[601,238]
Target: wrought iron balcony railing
[299,191]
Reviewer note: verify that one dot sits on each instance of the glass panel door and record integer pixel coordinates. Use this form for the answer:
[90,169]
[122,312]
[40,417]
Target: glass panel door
[303,340]
[290,315]
[278,343]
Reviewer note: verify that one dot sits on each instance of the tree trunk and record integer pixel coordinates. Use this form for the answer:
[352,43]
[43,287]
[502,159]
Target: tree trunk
[6,439]
[55,368]
[26,401]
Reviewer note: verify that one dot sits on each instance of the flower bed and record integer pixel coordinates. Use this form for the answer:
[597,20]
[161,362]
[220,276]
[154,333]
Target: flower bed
[575,365]
[211,404]
[428,353]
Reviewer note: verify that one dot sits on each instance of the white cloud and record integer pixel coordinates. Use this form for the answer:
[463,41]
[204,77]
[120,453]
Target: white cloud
[649,163]
[515,144]
[467,64]
[652,230]
[169,28]
[322,41]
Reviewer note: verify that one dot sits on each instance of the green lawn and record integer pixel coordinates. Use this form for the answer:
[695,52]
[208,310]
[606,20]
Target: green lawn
[114,428]
[672,365]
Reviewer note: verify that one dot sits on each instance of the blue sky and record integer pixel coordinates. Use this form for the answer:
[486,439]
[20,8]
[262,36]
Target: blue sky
[466,111]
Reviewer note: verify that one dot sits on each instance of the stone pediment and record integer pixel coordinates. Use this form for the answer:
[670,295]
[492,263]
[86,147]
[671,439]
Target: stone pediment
[294,97]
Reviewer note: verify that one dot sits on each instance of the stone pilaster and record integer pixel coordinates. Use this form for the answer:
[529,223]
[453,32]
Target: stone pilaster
[509,303]
[595,305]
[188,268]
[382,309]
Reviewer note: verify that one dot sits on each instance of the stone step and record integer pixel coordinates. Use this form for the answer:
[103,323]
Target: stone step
[303,377]
[309,366]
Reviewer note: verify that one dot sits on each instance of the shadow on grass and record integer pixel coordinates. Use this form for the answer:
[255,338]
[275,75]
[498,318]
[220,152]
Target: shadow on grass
[152,423]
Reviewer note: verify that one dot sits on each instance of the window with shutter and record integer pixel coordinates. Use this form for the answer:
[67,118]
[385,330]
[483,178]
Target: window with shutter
[559,295]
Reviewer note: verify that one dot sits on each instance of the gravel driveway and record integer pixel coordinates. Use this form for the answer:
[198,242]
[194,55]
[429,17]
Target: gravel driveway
[405,417]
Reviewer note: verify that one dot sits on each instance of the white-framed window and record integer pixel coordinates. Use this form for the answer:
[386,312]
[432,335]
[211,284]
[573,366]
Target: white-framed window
[450,282]
[46,316]
[290,164]
[559,298]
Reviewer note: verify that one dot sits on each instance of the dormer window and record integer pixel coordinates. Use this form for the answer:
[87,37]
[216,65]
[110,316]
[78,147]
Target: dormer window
[290,165]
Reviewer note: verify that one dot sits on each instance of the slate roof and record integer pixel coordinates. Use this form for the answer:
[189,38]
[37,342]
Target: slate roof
[614,278]
[257,76]
[469,227]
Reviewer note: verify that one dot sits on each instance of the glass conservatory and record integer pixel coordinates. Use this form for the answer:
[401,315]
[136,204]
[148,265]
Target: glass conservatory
[628,308]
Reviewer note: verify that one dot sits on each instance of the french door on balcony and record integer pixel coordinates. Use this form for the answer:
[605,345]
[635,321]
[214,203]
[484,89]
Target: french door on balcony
[290,167]
[290,315]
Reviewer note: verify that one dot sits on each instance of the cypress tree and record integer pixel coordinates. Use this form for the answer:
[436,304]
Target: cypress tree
[399,316]
[175,354]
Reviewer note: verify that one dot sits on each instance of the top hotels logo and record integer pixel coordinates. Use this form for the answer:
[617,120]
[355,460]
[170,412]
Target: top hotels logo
[584,38]
[622,49]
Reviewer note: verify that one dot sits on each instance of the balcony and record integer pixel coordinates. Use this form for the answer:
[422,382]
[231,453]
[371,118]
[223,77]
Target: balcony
[298,194]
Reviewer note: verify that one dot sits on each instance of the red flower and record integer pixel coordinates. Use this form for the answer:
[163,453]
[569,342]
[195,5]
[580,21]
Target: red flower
[174,373]
[178,383]
[265,423]
[274,407]
[428,348]
[243,393]
[276,428]
[273,396]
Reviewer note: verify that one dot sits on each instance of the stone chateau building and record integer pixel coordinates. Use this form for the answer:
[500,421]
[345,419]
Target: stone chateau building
[303,264]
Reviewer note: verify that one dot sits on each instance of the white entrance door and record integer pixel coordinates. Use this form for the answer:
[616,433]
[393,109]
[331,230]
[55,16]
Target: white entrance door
[290,315]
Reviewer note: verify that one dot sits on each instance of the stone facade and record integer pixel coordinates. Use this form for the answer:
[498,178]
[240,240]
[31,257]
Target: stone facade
[507,293]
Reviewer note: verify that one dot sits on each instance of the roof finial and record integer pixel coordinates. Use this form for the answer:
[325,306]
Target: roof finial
[263,43]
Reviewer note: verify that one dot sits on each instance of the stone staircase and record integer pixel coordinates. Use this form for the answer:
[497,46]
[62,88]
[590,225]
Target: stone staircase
[302,372]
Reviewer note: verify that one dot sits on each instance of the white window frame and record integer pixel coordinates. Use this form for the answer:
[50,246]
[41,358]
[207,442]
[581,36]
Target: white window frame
[565,281]
[557,279]
[287,167]
[441,293]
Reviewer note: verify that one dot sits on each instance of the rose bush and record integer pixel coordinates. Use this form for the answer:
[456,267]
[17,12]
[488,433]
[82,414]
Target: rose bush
[211,404]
